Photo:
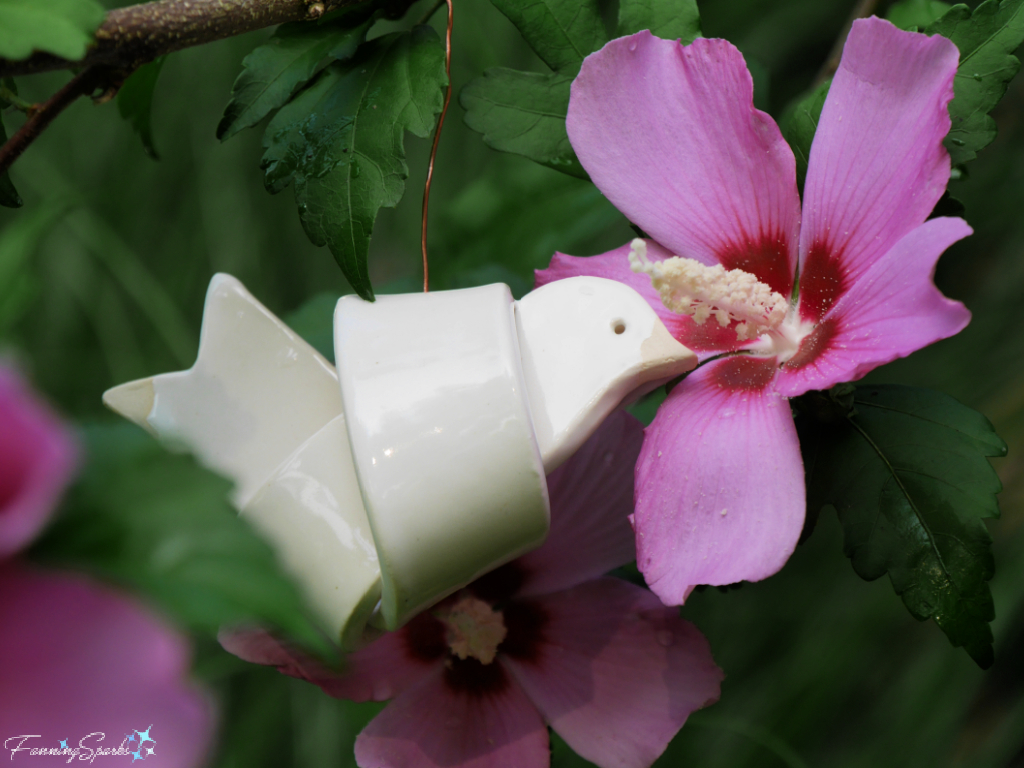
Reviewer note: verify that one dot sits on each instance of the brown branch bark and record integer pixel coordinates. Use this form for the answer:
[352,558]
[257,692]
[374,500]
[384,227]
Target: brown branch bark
[82,84]
[134,35]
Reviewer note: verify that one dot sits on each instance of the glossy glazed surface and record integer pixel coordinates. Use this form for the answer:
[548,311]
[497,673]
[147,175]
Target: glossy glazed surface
[311,510]
[256,392]
[441,432]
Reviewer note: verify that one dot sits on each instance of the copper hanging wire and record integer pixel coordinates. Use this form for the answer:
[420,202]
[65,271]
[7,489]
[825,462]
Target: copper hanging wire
[437,138]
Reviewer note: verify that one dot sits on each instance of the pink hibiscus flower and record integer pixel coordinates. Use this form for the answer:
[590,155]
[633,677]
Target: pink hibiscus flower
[543,640]
[670,135]
[79,662]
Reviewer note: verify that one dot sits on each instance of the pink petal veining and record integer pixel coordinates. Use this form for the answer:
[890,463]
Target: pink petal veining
[618,673]
[877,166]
[720,486]
[670,135]
[892,310]
[430,725]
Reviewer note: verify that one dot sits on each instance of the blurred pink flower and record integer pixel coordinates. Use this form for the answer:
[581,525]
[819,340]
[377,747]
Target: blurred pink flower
[670,135]
[76,657]
[544,640]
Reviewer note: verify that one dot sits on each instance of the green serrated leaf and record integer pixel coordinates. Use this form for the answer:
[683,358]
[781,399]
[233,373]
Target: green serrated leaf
[907,471]
[667,19]
[523,113]
[274,72]
[916,14]
[162,525]
[986,39]
[61,27]
[341,141]
[799,124]
[561,32]
[135,102]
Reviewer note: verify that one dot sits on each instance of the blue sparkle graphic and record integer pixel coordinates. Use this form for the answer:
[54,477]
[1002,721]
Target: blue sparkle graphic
[144,736]
[136,756]
[63,743]
[131,738]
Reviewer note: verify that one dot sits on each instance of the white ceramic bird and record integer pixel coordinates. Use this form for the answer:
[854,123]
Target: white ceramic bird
[420,462]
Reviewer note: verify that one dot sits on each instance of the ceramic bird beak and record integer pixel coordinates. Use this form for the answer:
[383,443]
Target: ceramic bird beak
[432,437]
[587,344]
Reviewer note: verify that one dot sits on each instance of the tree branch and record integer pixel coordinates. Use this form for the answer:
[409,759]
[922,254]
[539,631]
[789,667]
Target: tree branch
[82,84]
[137,34]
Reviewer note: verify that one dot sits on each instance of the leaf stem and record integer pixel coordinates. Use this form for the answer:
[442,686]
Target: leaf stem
[6,94]
[437,138]
[82,84]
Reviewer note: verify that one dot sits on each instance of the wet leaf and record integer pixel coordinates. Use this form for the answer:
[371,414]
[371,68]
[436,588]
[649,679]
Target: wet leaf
[341,141]
[275,71]
[907,470]
[987,39]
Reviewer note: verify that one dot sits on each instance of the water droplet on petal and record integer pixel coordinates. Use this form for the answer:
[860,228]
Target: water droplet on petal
[665,637]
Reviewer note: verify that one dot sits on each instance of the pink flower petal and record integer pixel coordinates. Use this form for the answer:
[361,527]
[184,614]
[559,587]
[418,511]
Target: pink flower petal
[434,724]
[618,673]
[892,310]
[670,135]
[78,658]
[37,460]
[377,672]
[591,501]
[258,646]
[706,339]
[720,481]
[877,165]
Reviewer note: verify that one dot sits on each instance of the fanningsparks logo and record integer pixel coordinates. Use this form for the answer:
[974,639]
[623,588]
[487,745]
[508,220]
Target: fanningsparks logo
[138,745]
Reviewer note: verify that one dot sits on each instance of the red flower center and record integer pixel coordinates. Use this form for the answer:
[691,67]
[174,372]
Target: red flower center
[428,638]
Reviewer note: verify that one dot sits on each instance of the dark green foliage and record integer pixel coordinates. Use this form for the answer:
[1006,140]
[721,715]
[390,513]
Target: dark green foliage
[799,125]
[916,14]
[341,141]
[61,27]
[907,470]
[669,20]
[560,32]
[18,243]
[135,102]
[272,73]
[524,112]
[986,39]
[159,523]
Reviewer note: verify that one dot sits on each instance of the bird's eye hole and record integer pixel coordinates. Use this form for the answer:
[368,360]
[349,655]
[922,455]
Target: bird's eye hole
[619,326]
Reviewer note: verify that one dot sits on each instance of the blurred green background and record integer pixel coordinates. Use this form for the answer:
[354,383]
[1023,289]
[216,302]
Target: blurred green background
[822,668]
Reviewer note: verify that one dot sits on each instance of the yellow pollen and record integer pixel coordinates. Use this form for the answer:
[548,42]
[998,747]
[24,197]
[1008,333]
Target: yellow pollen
[474,629]
[688,287]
